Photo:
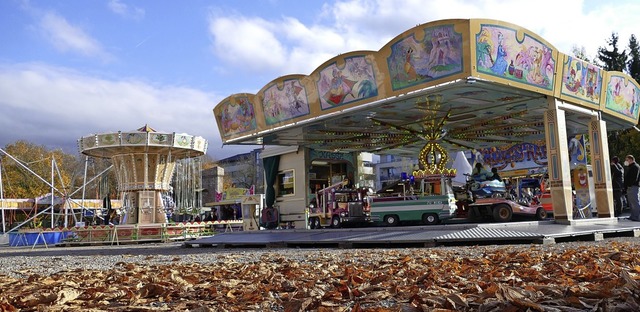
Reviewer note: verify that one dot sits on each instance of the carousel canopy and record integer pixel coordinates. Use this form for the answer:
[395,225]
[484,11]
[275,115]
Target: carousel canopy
[142,140]
[460,84]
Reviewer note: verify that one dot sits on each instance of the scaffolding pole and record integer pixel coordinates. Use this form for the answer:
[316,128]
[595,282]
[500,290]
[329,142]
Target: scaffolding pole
[2,199]
[52,194]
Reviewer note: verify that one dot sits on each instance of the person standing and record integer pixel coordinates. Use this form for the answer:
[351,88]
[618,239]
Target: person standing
[494,174]
[617,181]
[631,175]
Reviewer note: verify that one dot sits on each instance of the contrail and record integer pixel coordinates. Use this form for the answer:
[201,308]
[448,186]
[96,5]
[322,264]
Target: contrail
[141,42]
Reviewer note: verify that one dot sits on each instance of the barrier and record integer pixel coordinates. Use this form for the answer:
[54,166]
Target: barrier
[117,234]
[95,233]
[149,232]
[193,230]
[227,225]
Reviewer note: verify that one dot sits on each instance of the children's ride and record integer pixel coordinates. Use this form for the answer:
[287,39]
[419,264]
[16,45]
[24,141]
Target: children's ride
[336,205]
[529,192]
[433,203]
[489,199]
[480,187]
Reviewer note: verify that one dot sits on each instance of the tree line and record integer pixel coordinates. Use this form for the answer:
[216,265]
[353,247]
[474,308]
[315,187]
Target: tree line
[28,171]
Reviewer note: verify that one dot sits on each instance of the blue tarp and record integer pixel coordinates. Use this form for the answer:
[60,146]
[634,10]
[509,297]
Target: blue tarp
[30,239]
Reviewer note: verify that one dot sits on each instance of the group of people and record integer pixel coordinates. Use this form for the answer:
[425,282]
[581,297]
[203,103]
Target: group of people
[479,173]
[625,182]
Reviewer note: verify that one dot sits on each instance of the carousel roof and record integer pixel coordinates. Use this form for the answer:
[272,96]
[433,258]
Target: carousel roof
[143,140]
[465,84]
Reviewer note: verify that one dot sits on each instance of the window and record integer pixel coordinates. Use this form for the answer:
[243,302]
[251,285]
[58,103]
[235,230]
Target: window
[286,183]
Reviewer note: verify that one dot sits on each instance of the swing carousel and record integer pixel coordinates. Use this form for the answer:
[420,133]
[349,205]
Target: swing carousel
[145,161]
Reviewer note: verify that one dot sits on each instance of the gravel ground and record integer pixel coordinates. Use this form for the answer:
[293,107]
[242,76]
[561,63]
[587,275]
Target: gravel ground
[571,276]
[14,260]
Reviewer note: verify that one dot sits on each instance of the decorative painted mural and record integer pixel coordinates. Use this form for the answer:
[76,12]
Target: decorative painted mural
[581,80]
[622,97]
[287,102]
[527,155]
[355,81]
[237,117]
[415,61]
[512,157]
[500,53]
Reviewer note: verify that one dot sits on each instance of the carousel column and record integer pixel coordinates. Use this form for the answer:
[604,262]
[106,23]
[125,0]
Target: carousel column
[132,213]
[600,167]
[160,212]
[559,166]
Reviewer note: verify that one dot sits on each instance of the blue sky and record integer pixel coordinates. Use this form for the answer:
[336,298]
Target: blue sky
[75,67]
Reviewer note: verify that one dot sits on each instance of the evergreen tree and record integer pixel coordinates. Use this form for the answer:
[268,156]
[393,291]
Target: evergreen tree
[633,64]
[612,59]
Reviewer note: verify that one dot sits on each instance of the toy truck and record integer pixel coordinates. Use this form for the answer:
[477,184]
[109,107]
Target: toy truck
[335,206]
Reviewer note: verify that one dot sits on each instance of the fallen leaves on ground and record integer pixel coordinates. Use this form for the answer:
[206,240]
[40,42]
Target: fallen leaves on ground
[493,278]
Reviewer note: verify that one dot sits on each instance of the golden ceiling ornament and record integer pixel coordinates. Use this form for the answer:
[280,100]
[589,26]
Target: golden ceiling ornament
[433,157]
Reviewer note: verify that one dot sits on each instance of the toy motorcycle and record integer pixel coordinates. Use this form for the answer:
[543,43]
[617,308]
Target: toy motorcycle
[481,188]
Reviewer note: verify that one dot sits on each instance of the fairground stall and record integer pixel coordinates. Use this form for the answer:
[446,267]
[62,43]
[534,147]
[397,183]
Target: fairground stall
[234,207]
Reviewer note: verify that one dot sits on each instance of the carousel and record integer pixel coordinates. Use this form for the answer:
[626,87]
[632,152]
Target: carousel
[145,161]
[446,86]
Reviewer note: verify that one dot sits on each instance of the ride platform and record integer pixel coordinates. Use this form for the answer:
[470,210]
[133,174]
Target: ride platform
[532,232]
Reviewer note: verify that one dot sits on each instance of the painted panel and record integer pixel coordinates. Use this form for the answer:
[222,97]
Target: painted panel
[285,102]
[108,139]
[596,142]
[200,144]
[89,142]
[236,117]
[415,61]
[354,81]
[500,53]
[581,81]
[160,139]
[599,171]
[134,138]
[552,135]
[554,168]
[622,97]
[182,140]
[512,157]
[527,155]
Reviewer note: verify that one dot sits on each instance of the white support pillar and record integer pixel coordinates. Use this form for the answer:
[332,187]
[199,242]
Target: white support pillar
[601,168]
[559,165]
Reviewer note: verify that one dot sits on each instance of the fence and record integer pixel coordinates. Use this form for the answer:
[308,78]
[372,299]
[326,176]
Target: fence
[117,234]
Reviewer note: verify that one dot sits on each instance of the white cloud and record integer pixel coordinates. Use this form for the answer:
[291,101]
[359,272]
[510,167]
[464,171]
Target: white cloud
[135,13]
[284,47]
[69,105]
[247,42]
[69,38]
